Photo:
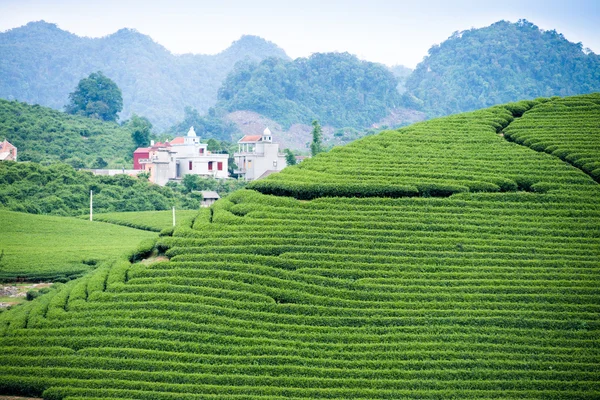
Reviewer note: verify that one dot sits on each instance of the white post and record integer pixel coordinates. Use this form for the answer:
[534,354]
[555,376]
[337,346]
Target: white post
[91,205]
[173,215]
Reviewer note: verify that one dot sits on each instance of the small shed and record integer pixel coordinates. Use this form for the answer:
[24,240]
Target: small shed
[208,197]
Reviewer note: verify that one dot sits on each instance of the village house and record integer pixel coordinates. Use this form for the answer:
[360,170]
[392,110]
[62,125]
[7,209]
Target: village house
[8,152]
[180,157]
[258,156]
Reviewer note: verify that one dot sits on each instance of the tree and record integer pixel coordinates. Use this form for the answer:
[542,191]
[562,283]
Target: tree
[100,163]
[213,145]
[96,97]
[316,146]
[140,130]
[290,158]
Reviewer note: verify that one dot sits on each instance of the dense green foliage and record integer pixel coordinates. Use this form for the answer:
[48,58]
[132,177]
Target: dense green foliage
[316,145]
[40,247]
[501,63]
[96,96]
[471,296]
[209,125]
[566,128]
[336,88]
[45,135]
[140,128]
[290,158]
[41,64]
[60,190]
[154,221]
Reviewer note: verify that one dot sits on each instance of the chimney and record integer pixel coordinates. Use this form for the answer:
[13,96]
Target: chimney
[152,143]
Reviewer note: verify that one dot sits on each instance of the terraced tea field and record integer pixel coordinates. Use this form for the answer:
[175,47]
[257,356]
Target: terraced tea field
[40,247]
[476,277]
[566,128]
[148,220]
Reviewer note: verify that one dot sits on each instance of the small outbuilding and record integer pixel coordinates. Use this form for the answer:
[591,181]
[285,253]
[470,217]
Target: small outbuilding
[208,198]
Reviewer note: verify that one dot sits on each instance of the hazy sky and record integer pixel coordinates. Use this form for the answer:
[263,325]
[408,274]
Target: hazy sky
[390,32]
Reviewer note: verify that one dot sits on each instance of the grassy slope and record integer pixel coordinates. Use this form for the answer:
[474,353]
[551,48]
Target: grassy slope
[488,293]
[46,247]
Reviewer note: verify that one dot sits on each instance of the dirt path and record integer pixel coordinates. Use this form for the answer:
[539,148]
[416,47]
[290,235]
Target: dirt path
[19,398]
[11,294]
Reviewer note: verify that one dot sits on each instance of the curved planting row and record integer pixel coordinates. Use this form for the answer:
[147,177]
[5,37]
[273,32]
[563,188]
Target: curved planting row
[441,157]
[566,128]
[471,296]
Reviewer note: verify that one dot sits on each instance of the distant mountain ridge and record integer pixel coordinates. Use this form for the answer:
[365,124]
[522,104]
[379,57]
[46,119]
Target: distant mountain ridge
[472,69]
[42,64]
[337,89]
[500,63]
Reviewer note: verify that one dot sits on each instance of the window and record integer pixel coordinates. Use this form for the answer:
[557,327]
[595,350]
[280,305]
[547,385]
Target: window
[210,167]
[190,165]
[220,166]
[275,163]
[201,150]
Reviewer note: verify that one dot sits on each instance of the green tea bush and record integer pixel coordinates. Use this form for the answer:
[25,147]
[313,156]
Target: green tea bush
[478,280]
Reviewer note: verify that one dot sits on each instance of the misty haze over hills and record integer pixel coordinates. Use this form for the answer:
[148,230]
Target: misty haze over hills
[472,69]
[42,64]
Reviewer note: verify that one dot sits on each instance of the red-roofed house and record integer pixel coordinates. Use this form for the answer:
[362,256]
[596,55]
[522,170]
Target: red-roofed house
[258,156]
[179,157]
[8,152]
[250,139]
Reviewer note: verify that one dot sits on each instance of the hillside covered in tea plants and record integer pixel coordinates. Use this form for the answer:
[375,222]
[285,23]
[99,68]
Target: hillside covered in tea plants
[439,261]
[57,249]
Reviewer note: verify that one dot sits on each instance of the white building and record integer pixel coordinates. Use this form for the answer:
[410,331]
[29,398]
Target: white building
[183,156]
[258,156]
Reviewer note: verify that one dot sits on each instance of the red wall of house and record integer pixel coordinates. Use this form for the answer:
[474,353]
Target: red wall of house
[137,157]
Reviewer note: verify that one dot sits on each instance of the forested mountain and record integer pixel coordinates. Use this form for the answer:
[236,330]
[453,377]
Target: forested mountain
[338,89]
[42,64]
[476,68]
[500,63]
[42,134]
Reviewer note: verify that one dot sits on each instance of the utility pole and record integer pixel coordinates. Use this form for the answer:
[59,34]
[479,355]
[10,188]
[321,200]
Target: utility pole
[173,215]
[91,205]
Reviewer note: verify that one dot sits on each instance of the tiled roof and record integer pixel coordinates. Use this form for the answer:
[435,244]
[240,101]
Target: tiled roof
[178,140]
[6,146]
[142,150]
[250,138]
[207,194]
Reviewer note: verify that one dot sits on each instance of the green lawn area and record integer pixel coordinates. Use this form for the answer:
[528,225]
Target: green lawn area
[39,247]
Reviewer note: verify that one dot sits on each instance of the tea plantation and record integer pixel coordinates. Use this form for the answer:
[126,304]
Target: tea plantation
[148,220]
[50,248]
[439,261]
